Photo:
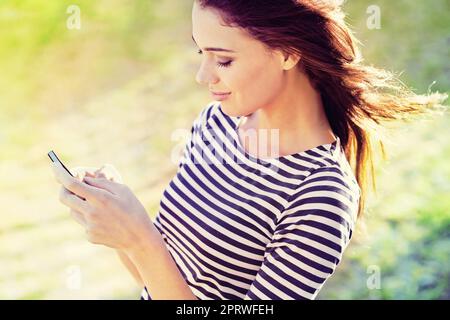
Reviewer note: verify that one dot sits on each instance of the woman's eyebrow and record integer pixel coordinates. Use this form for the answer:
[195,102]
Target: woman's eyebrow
[214,49]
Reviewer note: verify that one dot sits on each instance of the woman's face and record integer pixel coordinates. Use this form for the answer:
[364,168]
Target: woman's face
[252,75]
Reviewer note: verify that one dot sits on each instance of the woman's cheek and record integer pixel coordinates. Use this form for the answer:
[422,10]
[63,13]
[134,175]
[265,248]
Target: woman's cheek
[245,85]
[259,89]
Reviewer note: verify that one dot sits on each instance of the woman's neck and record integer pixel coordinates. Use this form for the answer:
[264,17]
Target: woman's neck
[297,113]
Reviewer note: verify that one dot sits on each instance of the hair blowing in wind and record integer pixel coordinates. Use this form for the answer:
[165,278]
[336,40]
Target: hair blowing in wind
[358,99]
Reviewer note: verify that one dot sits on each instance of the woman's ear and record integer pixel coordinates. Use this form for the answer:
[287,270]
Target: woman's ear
[287,60]
[290,61]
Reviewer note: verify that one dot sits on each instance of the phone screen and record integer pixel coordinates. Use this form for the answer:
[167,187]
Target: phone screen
[55,158]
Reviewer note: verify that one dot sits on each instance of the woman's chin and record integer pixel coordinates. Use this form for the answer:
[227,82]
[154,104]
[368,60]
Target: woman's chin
[230,111]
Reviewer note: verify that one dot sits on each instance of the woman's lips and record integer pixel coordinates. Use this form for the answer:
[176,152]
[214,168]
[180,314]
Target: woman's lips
[220,96]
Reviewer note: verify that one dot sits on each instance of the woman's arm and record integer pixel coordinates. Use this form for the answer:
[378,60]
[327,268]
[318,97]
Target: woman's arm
[122,255]
[114,217]
[158,270]
[131,267]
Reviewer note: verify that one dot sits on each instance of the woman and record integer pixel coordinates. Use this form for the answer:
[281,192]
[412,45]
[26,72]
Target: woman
[237,221]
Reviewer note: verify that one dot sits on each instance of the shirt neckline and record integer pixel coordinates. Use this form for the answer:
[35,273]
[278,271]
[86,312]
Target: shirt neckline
[327,147]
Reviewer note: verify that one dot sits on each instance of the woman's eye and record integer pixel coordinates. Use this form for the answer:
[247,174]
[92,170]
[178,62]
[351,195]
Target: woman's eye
[224,64]
[220,64]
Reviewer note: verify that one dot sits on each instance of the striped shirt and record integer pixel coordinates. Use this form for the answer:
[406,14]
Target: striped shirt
[240,227]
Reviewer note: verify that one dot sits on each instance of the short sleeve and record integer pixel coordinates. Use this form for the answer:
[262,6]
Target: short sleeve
[309,239]
[187,148]
[196,128]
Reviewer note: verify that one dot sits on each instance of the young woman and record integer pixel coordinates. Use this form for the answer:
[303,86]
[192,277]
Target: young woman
[237,221]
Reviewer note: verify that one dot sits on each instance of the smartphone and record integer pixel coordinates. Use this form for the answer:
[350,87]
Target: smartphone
[55,158]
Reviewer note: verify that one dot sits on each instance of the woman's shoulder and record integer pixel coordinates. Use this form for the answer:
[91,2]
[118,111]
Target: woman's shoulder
[205,113]
[337,181]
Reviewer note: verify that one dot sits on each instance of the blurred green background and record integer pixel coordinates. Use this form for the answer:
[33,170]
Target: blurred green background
[116,89]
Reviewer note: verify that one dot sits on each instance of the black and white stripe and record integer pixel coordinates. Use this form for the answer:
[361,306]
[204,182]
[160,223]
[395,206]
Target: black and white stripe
[245,228]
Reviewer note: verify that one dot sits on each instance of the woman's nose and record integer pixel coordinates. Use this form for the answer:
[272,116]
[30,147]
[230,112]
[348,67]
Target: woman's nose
[206,75]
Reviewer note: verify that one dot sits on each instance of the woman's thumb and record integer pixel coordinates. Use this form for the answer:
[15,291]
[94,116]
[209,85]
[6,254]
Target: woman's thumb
[101,184]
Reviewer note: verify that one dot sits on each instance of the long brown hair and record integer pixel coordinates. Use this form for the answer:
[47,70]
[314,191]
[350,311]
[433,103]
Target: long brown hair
[357,98]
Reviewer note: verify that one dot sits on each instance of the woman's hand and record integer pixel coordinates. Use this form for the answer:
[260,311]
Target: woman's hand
[110,213]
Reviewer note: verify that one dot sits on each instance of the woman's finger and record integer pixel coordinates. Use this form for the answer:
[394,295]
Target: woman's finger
[78,217]
[77,187]
[73,201]
[88,174]
[100,175]
[105,184]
